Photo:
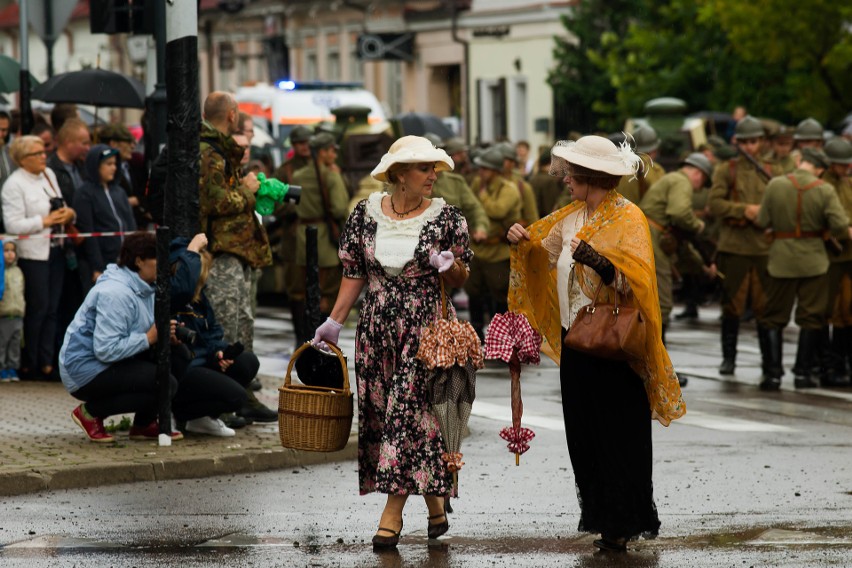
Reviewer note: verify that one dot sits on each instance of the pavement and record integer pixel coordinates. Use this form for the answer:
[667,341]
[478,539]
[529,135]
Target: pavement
[42,449]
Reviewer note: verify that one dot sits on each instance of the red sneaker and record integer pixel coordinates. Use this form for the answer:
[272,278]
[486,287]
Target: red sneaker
[151,432]
[93,427]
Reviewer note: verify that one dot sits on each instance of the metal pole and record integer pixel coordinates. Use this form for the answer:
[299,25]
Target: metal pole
[26,105]
[157,101]
[162,318]
[184,118]
[49,38]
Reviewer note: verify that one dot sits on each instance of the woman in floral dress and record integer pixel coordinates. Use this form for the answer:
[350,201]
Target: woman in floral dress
[399,245]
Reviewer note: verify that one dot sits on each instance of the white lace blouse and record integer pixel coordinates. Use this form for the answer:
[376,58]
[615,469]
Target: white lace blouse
[557,244]
[396,239]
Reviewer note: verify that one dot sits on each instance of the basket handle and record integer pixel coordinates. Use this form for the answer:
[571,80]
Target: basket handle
[336,350]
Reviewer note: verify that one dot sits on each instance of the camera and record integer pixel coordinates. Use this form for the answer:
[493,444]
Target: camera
[186,335]
[293,195]
[56,203]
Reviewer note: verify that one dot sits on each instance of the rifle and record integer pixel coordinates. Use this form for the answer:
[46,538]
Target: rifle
[760,171]
[333,227]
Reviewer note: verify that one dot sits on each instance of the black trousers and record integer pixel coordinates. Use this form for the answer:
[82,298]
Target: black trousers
[124,387]
[43,283]
[608,426]
[207,391]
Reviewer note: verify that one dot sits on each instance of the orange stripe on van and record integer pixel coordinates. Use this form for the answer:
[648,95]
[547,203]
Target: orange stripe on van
[255,109]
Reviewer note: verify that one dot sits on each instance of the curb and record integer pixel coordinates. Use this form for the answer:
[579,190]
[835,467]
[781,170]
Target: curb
[79,477]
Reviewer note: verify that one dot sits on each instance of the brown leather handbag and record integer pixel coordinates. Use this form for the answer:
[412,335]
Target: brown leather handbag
[609,331]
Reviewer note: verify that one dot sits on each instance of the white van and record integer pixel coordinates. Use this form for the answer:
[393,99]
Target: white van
[288,104]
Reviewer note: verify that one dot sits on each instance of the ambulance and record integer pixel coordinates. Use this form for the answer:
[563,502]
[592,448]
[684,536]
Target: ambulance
[283,106]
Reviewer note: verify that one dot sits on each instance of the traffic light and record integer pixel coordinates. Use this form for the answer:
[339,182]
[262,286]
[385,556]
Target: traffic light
[121,17]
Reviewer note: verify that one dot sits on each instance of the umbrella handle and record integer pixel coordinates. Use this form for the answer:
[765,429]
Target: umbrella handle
[517,459]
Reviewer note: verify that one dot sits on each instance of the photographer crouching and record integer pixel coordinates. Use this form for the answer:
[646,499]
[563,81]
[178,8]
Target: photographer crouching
[213,374]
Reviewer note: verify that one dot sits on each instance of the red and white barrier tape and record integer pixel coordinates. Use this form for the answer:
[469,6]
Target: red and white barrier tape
[71,235]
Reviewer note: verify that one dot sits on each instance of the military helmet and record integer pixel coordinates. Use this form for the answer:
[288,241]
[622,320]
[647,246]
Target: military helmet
[749,127]
[455,145]
[491,159]
[816,157]
[838,150]
[646,138]
[508,151]
[808,129]
[433,138]
[300,134]
[700,161]
[323,140]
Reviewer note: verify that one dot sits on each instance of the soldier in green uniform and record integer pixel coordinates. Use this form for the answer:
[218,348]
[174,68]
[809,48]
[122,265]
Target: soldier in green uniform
[735,196]
[529,209]
[668,207]
[547,188]
[647,145]
[489,269]
[458,152]
[781,142]
[454,190]
[799,208]
[809,134]
[839,312]
[286,230]
[324,202]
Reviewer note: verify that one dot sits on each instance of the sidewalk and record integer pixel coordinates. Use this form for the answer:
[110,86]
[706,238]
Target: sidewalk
[41,448]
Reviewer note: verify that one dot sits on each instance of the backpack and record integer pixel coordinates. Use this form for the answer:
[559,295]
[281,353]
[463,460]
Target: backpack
[155,192]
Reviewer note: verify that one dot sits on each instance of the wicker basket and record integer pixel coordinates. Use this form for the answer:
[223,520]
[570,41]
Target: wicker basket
[317,419]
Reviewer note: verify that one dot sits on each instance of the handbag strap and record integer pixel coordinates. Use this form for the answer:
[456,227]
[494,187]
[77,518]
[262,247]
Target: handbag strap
[598,291]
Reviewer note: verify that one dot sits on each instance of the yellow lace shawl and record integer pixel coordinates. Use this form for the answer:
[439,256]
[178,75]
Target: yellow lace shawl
[617,230]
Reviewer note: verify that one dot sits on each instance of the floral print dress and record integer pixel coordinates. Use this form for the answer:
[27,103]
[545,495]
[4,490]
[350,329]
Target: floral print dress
[399,441]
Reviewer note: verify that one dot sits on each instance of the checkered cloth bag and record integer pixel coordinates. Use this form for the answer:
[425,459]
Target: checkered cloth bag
[511,331]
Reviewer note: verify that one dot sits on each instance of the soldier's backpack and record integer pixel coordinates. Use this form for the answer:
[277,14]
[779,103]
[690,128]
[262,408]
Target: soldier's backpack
[155,193]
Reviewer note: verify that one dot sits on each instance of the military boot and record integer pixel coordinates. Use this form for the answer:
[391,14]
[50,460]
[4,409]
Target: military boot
[807,363]
[730,331]
[771,344]
[834,373]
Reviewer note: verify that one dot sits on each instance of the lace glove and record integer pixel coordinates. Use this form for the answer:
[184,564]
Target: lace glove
[585,254]
[328,331]
[443,261]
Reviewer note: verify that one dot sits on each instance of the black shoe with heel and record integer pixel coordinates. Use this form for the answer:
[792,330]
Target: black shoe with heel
[609,544]
[434,530]
[384,542]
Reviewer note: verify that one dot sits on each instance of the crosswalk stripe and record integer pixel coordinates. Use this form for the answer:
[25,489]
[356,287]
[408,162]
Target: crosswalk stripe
[503,413]
[727,423]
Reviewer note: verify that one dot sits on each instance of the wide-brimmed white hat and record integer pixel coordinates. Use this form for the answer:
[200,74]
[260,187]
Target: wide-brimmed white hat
[599,154]
[412,150]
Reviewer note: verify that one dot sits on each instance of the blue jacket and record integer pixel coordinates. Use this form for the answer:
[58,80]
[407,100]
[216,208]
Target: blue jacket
[197,316]
[109,327]
[102,210]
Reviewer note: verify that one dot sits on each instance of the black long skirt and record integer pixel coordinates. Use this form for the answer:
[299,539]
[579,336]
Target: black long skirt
[608,426]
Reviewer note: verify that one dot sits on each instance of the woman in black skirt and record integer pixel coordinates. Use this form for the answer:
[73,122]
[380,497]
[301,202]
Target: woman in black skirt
[600,238]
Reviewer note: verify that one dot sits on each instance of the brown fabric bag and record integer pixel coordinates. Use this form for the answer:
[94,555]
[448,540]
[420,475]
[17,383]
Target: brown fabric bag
[609,331]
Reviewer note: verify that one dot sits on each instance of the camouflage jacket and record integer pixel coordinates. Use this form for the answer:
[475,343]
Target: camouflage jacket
[226,207]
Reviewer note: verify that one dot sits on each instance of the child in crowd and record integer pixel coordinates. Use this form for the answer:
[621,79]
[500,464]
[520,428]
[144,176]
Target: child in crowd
[11,314]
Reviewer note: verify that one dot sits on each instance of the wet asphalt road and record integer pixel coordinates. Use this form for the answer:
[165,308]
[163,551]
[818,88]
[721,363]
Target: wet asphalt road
[746,479]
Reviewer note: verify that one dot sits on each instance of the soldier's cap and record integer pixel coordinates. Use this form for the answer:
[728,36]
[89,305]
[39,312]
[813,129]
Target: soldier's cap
[455,145]
[300,134]
[411,150]
[816,157]
[322,141]
[700,161]
[490,159]
[783,132]
[433,138]
[716,141]
[748,127]
[508,151]
[115,132]
[646,139]
[839,150]
[808,129]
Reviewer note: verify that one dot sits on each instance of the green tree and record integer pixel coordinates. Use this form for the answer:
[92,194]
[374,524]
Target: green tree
[584,95]
[810,41]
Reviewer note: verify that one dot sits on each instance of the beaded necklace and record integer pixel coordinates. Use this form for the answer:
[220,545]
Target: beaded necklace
[404,213]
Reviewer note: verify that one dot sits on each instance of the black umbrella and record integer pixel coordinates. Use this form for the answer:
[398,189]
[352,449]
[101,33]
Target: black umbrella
[419,123]
[10,75]
[96,87]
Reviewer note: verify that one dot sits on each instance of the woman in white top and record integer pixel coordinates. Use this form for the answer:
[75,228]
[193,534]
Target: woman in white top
[399,244]
[608,404]
[33,205]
